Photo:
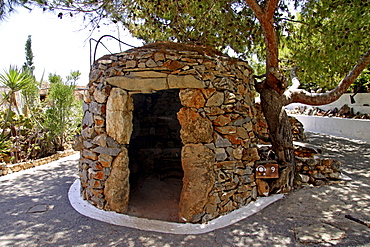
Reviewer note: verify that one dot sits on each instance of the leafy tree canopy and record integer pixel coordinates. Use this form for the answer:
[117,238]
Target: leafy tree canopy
[316,33]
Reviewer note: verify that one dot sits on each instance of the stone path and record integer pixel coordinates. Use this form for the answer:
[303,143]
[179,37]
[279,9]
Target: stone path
[35,211]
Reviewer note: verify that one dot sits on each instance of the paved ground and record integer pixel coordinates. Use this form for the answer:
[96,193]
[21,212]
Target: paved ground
[312,208]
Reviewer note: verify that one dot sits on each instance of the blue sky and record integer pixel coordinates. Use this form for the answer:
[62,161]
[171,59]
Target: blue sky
[59,45]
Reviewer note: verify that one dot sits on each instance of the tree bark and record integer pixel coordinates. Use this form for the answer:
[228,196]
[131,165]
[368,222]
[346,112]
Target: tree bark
[281,139]
[272,99]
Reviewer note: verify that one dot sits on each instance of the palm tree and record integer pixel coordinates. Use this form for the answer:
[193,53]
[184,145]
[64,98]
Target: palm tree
[15,80]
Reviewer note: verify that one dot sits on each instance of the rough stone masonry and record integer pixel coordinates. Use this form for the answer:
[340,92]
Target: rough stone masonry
[217,118]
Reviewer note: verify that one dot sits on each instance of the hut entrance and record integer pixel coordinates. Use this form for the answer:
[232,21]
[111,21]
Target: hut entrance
[155,156]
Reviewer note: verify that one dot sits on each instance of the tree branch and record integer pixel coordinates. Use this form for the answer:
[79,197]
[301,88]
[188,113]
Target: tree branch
[256,8]
[270,8]
[295,95]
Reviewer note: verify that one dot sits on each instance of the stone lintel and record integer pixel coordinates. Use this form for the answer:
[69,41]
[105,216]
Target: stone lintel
[185,81]
[138,83]
[147,81]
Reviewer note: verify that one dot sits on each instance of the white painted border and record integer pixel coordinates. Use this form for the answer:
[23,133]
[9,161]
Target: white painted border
[343,127]
[84,208]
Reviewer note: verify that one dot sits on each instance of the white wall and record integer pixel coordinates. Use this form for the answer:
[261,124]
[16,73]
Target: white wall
[362,104]
[351,128]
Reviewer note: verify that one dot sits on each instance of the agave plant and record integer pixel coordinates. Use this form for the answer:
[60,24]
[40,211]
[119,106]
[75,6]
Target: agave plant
[14,80]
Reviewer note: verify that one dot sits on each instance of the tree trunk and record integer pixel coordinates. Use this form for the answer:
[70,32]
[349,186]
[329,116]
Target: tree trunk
[281,139]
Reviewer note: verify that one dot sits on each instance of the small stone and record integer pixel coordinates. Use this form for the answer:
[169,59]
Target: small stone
[88,119]
[105,160]
[99,96]
[151,63]
[99,121]
[220,154]
[38,209]
[108,151]
[216,99]
[89,154]
[238,153]
[158,56]
[100,140]
[222,142]
[250,154]
[222,120]
[131,64]
[303,178]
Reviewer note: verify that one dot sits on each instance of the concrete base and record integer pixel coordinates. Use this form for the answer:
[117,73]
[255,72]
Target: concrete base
[84,208]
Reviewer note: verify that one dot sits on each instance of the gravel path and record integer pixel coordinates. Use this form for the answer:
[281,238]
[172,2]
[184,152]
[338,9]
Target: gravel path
[35,211]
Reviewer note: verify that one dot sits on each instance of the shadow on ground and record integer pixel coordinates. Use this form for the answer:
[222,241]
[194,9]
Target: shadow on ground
[61,225]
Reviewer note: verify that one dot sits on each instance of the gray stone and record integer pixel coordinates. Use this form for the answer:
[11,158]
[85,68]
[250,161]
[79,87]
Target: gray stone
[221,154]
[147,74]
[184,81]
[151,63]
[107,151]
[38,209]
[87,144]
[335,175]
[319,175]
[222,142]
[105,160]
[216,99]
[97,108]
[241,121]
[303,178]
[138,84]
[111,143]
[88,119]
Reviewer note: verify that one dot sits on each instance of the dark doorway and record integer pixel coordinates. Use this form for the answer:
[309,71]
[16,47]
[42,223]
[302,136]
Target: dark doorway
[155,156]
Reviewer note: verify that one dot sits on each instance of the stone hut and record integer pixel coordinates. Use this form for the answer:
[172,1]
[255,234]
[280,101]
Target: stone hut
[170,110]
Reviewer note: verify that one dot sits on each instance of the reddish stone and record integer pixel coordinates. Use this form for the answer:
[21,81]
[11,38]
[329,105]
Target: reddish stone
[226,130]
[89,155]
[234,139]
[194,128]
[186,114]
[222,120]
[173,65]
[97,193]
[192,98]
[263,187]
[99,175]
[208,92]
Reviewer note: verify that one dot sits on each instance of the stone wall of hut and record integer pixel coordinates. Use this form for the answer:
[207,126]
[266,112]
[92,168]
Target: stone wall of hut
[217,117]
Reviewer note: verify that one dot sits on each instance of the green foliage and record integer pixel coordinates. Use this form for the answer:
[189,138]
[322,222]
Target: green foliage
[329,39]
[362,83]
[28,65]
[63,112]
